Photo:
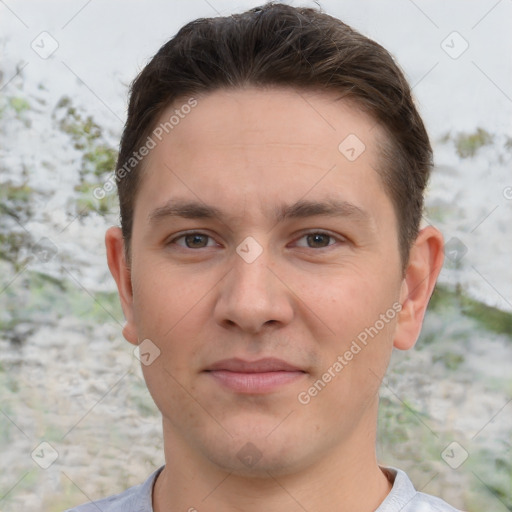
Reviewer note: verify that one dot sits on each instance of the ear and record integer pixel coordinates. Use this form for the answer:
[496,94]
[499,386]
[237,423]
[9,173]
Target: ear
[121,272]
[425,262]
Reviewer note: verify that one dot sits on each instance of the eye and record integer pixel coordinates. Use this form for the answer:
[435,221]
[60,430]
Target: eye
[194,240]
[198,240]
[317,240]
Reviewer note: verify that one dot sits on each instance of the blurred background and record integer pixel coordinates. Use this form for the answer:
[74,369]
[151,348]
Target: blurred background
[76,420]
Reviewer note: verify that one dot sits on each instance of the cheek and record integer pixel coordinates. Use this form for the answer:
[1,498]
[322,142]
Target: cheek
[351,299]
[162,295]
[174,394]
[170,311]
[357,361]
[360,309]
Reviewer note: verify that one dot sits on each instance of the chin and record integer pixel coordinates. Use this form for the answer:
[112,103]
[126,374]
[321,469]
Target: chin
[252,462]
[256,454]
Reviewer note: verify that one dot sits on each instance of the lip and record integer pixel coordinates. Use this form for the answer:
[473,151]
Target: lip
[261,376]
[268,364]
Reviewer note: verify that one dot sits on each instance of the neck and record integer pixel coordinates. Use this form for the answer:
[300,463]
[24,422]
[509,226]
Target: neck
[348,478]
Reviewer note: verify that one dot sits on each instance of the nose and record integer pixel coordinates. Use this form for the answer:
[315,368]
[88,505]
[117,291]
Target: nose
[253,297]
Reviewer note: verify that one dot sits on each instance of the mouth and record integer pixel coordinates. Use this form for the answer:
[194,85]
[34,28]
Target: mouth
[256,377]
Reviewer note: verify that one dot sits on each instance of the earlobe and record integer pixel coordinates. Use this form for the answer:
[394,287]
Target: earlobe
[120,271]
[425,262]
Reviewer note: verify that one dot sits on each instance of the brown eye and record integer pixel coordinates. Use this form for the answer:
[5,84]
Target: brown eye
[192,241]
[317,240]
[196,241]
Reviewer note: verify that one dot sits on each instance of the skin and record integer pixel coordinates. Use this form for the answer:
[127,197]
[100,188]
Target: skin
[303,300]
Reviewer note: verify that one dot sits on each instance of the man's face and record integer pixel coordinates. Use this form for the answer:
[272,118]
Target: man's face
[250,283]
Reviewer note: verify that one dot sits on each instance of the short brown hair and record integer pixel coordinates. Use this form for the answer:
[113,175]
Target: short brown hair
[281,45]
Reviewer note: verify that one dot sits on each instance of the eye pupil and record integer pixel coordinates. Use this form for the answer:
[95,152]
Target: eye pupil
[317,238]
[194,241]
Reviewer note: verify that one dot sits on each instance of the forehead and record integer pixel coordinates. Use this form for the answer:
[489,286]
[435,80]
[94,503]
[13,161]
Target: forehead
[254,146]
[303,121]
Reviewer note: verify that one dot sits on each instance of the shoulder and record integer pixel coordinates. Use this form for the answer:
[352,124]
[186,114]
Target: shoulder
[427,503]
[137,498]
[114,503]
[405,498]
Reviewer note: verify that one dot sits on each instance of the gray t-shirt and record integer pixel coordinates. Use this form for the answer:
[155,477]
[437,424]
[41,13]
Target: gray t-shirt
[402,498]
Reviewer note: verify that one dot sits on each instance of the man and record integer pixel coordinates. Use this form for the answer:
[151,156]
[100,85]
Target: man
[271,176]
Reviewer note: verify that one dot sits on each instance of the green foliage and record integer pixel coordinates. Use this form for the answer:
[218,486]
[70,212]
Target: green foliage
[98,157]
[489,317]
[38,296]
[15,200]
[436,213]
[467,144]
[102,158]
[492,472]
[19,104]
[11,247]
[451,360]
[15,209]
[87,203]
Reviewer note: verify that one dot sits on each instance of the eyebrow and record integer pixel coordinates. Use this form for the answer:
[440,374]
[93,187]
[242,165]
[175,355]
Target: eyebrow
[300,209]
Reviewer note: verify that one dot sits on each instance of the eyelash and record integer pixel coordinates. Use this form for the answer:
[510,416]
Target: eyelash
[314,232]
